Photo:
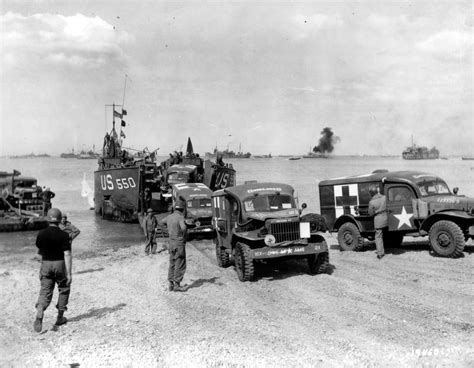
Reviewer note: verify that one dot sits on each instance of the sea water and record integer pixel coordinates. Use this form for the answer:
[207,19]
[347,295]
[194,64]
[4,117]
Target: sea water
[67,178]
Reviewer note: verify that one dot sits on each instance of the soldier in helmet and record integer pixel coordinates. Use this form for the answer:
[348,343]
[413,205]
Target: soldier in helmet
[177,246]
[378,209]
[149,228]
[68,227]
[47,196]
[54,246]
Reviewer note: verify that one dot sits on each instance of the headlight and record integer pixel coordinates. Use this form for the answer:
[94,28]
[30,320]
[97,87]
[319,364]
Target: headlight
[270,240]
[189,221]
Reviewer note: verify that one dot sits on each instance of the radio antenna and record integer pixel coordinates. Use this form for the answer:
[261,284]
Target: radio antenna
[124,89]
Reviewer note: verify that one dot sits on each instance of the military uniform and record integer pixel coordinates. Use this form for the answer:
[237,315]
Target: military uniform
[52,242]
[378,209]
[47,196]
[69,228]
[149,230]
[177,248]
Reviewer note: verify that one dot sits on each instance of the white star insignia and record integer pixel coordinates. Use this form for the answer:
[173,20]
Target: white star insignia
[404,218]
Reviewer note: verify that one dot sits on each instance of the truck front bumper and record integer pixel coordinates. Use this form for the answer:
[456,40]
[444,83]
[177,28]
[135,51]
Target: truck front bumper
[201,230]
[289,250]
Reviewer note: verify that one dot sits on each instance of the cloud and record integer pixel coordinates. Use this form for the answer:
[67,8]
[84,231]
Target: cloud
[447,43]
[75,40]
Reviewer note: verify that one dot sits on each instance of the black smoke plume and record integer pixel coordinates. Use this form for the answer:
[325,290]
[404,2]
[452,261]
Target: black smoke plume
[326,142]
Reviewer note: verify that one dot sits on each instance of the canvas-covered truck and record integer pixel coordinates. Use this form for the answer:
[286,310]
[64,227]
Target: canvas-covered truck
[261,221]
[418,204]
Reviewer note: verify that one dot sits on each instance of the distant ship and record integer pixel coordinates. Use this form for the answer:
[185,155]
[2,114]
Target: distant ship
[31,155]
[68,154]
[415,152]
[91,154]
[264,156]
[227,154]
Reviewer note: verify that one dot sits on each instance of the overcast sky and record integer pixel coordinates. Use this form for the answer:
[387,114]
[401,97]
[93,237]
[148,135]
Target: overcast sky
[267,75]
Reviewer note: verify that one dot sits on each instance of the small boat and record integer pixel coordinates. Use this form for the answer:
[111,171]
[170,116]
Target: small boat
[294,158]
[467,158]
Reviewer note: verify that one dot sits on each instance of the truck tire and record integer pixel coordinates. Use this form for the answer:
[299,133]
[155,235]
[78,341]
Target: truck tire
[318,263]
[446,239]
[223,258]
[349,237]
[243,262]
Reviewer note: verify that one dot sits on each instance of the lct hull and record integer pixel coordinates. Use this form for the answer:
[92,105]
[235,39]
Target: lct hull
[117,193]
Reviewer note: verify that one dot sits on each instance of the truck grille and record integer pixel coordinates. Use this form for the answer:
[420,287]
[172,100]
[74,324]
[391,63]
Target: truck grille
[285,231]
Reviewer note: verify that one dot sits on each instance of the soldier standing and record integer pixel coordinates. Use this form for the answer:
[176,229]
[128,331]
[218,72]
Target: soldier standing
[378,209]
[69,228]
[149,229]
[54,246]
[47,196]
[177,246]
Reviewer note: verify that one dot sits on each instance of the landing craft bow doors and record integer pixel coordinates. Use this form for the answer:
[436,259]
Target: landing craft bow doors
[400,207]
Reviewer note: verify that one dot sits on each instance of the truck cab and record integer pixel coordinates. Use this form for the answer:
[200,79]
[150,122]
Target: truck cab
[418,204]
[258,221]
[197,211]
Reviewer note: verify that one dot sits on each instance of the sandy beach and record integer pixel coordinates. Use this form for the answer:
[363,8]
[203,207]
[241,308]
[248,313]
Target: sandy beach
[409,309]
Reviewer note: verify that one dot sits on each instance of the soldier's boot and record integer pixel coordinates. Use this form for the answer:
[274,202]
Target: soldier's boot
[60,320]
[178,287]
[170,286]
[38,323]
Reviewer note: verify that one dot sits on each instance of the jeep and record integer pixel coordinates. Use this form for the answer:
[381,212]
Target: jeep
[418,204]
[197,208]
[259,221]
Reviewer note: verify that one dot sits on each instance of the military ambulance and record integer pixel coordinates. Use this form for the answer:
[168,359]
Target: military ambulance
[197,209]
[418,204]
[258,221]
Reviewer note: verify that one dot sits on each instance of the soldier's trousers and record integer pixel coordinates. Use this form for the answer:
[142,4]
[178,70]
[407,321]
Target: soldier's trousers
[150,243]
[51,273]
[177,266]
[379,234]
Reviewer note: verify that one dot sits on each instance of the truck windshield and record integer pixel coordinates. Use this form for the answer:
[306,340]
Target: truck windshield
[269,203]
[199,203]
[433,187]
[178,177]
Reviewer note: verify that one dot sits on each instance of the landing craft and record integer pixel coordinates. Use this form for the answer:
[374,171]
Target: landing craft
[127,184]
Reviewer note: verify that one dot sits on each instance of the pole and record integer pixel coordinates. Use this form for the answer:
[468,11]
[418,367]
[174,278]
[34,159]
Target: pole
[124,89]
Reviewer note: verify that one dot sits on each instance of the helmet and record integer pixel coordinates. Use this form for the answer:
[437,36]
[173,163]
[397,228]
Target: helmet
[179,205]
[54,215]
[373,190]
[150,210]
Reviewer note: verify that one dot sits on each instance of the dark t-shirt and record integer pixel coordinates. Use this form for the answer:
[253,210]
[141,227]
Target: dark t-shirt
[52,242]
